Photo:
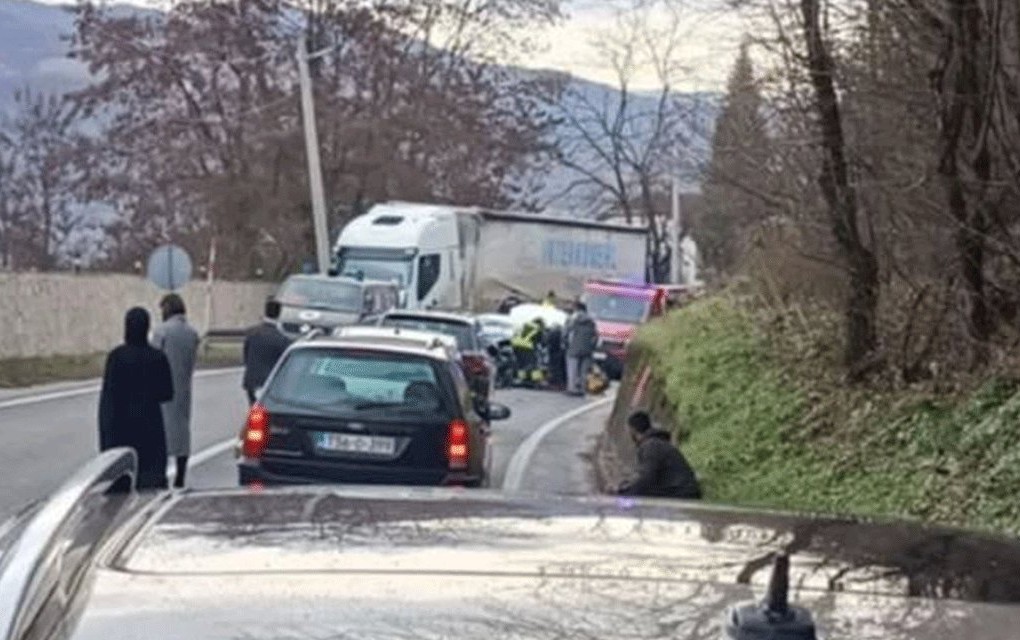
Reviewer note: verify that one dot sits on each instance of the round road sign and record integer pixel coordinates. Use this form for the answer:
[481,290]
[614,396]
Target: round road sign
[169,267]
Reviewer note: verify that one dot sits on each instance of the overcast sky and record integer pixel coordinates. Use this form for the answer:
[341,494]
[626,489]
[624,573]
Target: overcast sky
[711,36]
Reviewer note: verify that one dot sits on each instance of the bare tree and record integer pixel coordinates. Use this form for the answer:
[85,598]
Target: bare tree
[40,210]
[202,111]
[623,147]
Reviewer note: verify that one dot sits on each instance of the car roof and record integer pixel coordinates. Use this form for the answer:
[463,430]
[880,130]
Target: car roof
[320,277]
[371,561]
[427,345]
[444,316]
[389,562]
[396,336]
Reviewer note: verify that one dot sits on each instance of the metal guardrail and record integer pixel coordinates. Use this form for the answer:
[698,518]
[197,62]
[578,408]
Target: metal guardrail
[36,566]
[225,334]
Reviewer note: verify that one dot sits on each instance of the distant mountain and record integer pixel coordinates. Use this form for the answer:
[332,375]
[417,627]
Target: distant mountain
[33,52]
[690,155]
[33,49]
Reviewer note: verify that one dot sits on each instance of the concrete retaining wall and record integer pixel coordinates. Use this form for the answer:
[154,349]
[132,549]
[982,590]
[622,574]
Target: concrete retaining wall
[616,458]
[44,314]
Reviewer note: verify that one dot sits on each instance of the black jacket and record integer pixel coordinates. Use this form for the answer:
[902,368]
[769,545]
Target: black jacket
[135,382]
[662,470]
[263,346]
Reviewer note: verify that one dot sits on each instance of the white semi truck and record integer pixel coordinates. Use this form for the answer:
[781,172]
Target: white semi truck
[470,258]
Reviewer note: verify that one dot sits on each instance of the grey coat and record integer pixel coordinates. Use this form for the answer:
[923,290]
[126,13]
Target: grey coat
[179,341]
[582,335]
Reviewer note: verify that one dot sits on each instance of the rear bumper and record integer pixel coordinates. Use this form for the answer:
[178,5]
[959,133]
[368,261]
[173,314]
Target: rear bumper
[293,472]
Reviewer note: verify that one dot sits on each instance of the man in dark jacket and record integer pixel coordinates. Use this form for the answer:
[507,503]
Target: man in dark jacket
[263,346]
[582,338]
[662,470]
[136,381]
[554,344]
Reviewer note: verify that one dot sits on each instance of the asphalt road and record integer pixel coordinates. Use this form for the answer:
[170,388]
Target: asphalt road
[49,432]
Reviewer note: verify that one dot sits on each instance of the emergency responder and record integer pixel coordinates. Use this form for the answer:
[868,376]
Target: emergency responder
[525,343]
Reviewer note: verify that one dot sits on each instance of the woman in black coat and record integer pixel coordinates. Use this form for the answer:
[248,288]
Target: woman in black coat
[136,381]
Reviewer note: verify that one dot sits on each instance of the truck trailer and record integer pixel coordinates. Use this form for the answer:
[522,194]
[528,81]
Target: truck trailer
[469,258]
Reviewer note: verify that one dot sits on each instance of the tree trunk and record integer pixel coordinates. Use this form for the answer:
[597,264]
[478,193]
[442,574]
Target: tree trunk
[841,198]
[964,146]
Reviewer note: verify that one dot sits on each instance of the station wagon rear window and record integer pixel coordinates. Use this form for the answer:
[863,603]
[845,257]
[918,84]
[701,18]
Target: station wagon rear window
[352,382]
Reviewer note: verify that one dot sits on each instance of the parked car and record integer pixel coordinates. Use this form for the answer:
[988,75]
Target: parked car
[368,406]
[94,563]
[496,328]
[476,361]
[324,302]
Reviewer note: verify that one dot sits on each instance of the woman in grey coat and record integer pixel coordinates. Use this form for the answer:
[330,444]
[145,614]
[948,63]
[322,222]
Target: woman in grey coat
[179,341]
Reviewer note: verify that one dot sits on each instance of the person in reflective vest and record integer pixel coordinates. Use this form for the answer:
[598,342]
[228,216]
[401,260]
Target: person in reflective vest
[524,344]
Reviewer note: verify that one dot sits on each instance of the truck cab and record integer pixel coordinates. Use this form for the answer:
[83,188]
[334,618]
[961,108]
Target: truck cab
[417,247]
[619,308]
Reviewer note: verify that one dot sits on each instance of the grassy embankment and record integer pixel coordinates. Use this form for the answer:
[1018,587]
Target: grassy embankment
[768,422]
[21,372]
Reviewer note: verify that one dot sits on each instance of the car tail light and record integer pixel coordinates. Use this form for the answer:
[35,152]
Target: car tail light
[457,444]
[256,432]
[475,364]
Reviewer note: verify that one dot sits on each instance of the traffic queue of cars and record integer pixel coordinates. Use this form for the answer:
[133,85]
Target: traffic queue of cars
[363,397]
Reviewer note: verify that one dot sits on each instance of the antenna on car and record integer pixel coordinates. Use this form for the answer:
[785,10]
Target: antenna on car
[774,617]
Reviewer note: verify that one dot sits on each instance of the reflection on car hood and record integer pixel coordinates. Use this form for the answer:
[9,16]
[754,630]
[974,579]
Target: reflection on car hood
[385,563]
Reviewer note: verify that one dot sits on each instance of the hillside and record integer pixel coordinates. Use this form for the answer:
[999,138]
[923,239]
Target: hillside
[766,420]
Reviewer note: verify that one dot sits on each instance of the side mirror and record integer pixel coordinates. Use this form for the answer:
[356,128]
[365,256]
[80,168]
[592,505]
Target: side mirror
[402,299]
[492,350]
[497,412]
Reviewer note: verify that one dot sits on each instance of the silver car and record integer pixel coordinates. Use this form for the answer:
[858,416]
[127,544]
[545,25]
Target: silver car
[327,302]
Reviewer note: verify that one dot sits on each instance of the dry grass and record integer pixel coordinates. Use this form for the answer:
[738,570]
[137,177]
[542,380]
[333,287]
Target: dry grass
[23,372]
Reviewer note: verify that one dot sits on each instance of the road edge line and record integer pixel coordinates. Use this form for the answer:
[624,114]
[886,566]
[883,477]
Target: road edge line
[514,475]
[93,387]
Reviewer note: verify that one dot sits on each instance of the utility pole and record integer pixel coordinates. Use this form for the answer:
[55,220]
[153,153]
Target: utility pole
[314,163]
[676,272]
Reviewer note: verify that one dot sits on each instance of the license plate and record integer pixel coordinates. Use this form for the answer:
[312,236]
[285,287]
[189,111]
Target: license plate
[599,356]
[347,443]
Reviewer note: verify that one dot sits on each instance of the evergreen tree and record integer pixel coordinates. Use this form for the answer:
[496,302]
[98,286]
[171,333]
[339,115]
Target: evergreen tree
[736,187]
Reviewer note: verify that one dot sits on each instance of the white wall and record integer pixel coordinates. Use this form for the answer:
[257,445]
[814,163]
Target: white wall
[45,314]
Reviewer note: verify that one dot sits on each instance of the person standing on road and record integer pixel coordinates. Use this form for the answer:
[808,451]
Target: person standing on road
[263,346]
[179,341]
[554,341]
[662,470]
[136,380]
[582,338]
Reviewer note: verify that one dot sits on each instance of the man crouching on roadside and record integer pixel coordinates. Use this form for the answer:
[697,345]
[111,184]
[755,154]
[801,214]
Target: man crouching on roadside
[662,471]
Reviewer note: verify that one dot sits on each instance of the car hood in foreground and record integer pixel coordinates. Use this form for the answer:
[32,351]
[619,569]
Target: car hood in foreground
[396,563]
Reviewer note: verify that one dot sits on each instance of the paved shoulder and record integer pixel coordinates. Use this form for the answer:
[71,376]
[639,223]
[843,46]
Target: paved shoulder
[557,458]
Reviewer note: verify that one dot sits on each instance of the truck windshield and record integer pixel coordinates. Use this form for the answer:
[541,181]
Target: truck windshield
[335,295]
[387,268]
[617,307]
